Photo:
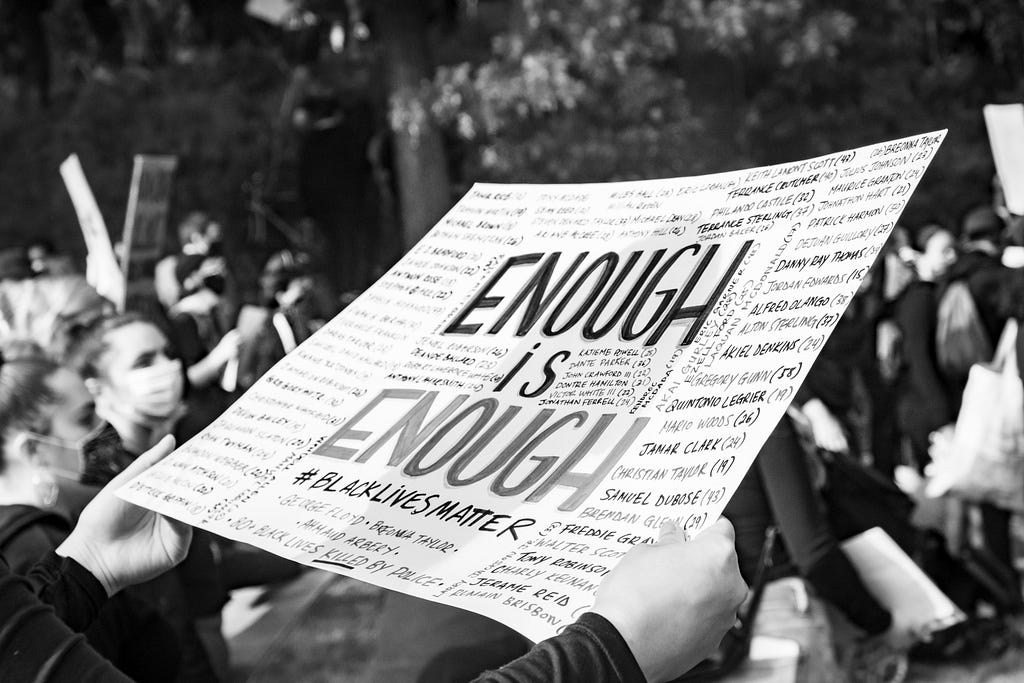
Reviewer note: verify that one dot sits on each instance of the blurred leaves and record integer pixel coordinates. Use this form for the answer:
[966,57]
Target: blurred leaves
[593,90]
[588,90]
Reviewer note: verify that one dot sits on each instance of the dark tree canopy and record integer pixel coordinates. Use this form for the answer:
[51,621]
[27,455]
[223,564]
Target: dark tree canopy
[525,91]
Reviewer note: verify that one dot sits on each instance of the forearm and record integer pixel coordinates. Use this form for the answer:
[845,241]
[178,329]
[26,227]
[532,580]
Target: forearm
[590,650]
[203,373]
[36,645]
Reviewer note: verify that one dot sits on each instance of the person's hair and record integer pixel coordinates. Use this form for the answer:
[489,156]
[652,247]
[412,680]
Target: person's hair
[85,353]
[24,370]
[981,222]
[284,266]
[194,224]
[926,233]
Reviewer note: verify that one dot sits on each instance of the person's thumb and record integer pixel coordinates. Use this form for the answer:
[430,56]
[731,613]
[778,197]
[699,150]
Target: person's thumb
[161,450]
[671,532]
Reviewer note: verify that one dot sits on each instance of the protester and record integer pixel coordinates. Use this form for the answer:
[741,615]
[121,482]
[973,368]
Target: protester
[778,491]
[50,310]
[45,412]
[924,403]
[114,545]
[138,387]
[198,235]
[286,294]
[202,339]
[979,265]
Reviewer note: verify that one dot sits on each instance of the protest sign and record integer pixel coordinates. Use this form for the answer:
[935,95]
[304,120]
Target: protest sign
[145,222]
[1005,123]
[145,225]
[101,268]
[548,375]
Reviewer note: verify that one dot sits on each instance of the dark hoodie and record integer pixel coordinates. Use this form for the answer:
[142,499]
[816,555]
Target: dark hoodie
[127,632]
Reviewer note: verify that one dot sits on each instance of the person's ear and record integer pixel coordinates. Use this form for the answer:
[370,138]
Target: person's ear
[22,447]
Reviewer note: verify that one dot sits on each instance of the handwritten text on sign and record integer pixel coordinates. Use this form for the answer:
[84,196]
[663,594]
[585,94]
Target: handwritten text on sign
[546,377]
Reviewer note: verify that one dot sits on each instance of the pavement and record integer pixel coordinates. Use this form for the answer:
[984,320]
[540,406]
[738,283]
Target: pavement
[322,626]
[325,627]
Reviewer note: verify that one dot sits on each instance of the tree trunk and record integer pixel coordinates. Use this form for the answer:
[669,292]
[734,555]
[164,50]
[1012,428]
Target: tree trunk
[424,191]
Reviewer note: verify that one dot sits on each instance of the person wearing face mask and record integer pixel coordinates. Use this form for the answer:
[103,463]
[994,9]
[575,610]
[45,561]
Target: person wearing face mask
[138,386]
[199,235]
[924,402]
[45,413]
[198,325]
[286,291]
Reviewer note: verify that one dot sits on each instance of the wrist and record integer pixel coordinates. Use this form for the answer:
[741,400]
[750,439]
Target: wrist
[82,553]
[651,664]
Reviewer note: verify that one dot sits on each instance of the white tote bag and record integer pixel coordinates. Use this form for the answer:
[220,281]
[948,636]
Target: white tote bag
[985,460]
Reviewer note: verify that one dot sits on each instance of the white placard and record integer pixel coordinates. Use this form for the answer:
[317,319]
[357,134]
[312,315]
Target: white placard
[550,373]
[1005,124]
[914,601]
[101,268]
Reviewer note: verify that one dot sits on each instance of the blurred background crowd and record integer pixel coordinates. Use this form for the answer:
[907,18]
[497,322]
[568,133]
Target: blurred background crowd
[318,140]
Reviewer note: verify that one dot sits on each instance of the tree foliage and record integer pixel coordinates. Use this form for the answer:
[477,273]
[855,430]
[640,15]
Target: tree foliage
[590,90]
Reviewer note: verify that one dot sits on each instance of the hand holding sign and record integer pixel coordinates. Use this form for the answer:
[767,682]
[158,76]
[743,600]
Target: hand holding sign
[673,601]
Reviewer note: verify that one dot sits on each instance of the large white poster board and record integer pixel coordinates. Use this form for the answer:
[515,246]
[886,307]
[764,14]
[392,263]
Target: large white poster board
[101,268]
[1005,123]
[550,373]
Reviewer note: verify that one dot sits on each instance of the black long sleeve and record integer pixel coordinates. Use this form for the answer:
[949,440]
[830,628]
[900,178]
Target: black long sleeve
[916,315]
[924,402]
[74,594]
[591,649]
[35,645]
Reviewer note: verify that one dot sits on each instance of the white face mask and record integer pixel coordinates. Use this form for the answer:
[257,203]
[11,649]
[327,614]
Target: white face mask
[151,395]
[63,457]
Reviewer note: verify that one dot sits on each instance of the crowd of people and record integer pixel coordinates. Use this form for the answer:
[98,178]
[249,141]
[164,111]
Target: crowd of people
[85,390]
[88,395]
[856,450]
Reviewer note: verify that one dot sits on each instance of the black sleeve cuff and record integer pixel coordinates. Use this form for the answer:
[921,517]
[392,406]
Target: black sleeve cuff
[74,593]
[608,638]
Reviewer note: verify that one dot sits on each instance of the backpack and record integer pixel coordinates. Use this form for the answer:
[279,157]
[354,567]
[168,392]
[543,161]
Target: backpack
[960,338]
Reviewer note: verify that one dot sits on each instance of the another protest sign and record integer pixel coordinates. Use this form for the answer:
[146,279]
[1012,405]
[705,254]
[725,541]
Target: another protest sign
[102,270]
[145,223]
[548,375]
[1005,124]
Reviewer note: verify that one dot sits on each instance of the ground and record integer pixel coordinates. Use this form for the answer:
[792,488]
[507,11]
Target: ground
[330,628]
